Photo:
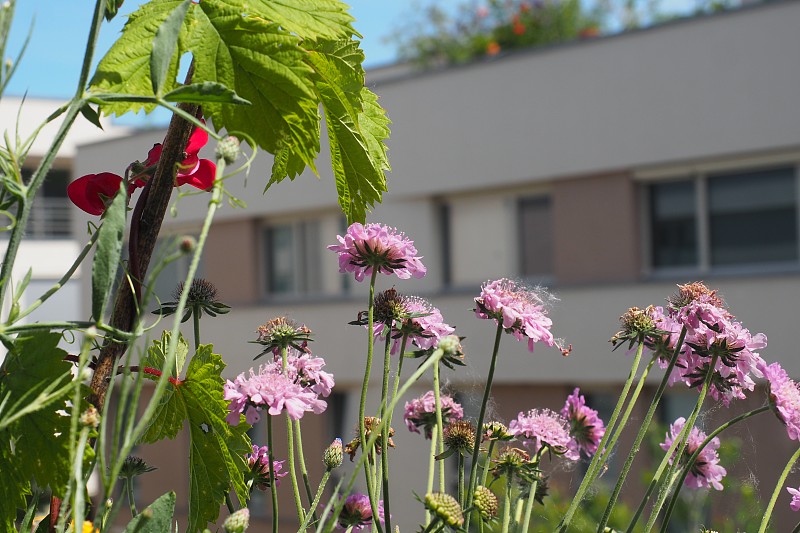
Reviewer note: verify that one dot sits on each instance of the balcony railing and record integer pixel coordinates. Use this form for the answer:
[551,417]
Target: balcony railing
[51,218]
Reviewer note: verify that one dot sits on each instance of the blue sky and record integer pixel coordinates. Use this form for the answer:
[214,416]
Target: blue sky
[51,64]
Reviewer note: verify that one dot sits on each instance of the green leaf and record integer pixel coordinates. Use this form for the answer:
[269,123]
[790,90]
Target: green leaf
[109,249]
[309,18]
[41,440]
[155,518]
[286,164]
[203,93]
[217,450]
[164,44]
[14,486]
[125,69]
[264,64]
[156,354]
[112,6]
[91,115]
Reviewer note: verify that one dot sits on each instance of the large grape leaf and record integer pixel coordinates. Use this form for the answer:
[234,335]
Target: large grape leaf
[125,69]
[14,486]
[357,127]
[311,19]
[262,63]
[216,449]
[40,440]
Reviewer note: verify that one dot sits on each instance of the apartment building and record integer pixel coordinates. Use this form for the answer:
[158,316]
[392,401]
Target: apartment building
[608,169]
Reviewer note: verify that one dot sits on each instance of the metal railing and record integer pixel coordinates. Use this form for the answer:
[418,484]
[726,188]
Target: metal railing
[51,218]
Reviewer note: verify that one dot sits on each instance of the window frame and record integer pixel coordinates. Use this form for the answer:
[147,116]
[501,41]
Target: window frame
[543,198]
[700,176]
[305,241]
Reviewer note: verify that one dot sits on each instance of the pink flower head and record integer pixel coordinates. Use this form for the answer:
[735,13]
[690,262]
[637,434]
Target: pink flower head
[93,192]
[357,512]
[305,370]
[272,390]
[421,412]
[417,319]
[377,247]
[784,398]
[706,471]
[259,467]
[795,505]
[540,428]
[586,428]
[520,310]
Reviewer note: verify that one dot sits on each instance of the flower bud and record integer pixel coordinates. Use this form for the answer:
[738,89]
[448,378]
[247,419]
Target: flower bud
[188,244]
[451,345]
[485,502]
[445,507]
[238,522]
[90,417]
[333,455]
[228,149]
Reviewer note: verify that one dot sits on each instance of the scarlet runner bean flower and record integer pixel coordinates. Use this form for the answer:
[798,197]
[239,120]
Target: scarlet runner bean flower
[784,398]
[520,310]
[357,512]
[540,428]
[365,248]
[92,192]
[706,471]
[421,412]
[586,428]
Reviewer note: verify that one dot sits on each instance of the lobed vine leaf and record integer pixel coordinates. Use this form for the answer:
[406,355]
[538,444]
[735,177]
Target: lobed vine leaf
[155,518]
[312,19]
[38,442]
[216,450]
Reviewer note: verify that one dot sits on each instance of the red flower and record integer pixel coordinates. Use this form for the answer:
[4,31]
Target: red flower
[92,192]
[192,170]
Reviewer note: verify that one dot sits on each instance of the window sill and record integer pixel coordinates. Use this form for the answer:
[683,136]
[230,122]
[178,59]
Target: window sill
[749,270]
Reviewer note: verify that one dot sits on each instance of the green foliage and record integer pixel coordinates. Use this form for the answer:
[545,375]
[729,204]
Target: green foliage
[442,39]
[109,250]
[35,446]
[155,518]
[216,449]
[285,59]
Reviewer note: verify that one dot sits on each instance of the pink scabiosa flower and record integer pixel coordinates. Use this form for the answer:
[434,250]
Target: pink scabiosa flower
[421,412]
[585,427]
[520,310]
[375,247]
[409,316]
[271,390]
[706,471]
[305,370]
[784,398]
[357,513]
[542,428]
[259,468]
[795,505]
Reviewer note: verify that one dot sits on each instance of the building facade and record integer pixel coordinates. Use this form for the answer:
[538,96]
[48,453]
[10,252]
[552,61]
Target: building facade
[608,169]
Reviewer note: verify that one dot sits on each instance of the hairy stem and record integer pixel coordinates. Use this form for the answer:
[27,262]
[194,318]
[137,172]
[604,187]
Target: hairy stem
[778,486]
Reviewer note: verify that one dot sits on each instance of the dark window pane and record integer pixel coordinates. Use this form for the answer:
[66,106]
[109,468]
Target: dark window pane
[753,217]
[536,236]
[280,259]
[673,223]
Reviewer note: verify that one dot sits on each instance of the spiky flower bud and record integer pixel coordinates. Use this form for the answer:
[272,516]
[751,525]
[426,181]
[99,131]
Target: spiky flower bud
[281,332]
[134,466]
[238,522]
[228,149]
[445,507]
[636,326]
[496,431]
[90,417]
[459,436]
[333,455]
[485,502]
[451,346]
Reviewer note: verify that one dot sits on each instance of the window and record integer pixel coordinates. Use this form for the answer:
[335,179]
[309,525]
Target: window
[535,219]
[292,258]
[723,220]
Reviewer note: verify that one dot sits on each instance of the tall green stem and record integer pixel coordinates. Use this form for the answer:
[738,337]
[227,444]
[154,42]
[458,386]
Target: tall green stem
[642,431]
[439,426]
[362,406]
[488,462]
[473,471]
[684,439]
[529,506]
[431,471]
[387,362]
[507,503]
[273,492]
[778,486]
[298,503]
[688,467]
[301,459]
[460,468]
[311,514]
[196,323]
[598,460]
